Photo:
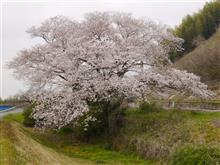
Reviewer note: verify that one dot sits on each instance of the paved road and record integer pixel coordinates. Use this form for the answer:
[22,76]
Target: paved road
[10,112]
[193,109]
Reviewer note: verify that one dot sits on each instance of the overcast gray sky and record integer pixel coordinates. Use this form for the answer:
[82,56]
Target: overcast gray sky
[17,17]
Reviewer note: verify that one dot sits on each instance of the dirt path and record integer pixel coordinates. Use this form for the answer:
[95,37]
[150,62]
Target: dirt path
[17,148]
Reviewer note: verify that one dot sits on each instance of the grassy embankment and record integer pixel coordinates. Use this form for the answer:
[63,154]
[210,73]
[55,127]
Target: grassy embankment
[16,148]
[161,137]
[22,145]
[165,135]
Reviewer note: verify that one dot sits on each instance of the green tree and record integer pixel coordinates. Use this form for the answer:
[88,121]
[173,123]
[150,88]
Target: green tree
[201,24]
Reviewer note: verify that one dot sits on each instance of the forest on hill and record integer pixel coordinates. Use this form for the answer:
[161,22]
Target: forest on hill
[201,52]
[196,28]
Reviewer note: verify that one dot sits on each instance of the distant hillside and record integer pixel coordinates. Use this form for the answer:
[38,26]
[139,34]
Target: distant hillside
[198,26]
[204,61]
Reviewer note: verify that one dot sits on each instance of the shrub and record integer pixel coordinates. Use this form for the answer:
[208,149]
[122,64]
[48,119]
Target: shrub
[196,156]
[108,120]
[28,120]
[65,130]
[149,107]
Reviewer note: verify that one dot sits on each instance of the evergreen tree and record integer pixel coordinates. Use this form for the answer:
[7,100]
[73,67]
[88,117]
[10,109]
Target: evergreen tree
[199,25]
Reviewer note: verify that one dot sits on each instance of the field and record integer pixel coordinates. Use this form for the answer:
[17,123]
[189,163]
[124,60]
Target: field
[146,137]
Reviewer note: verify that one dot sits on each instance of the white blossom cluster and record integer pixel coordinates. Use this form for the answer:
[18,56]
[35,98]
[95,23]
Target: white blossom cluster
[105,55]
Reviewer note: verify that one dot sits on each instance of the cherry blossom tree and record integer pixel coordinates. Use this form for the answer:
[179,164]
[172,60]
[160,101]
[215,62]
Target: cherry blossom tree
[104,56]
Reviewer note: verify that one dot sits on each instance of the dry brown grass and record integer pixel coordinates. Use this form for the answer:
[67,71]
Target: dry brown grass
[204,61]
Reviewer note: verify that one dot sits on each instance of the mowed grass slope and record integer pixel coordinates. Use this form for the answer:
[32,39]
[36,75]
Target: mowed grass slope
[19,149]
[34,147]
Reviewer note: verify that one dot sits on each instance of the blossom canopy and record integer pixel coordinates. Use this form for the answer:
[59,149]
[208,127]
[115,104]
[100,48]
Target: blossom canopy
[104,56]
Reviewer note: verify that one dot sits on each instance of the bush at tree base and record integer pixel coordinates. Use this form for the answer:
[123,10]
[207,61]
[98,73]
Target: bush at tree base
[28,120]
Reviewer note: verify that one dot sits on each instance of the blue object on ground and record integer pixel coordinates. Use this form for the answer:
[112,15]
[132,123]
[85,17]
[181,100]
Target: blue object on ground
[5,107]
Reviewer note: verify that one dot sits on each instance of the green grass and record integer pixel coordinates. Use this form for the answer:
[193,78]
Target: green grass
[95,152]
[9,155]
[18,117]
[196,155]
[64,142]
[157,136]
